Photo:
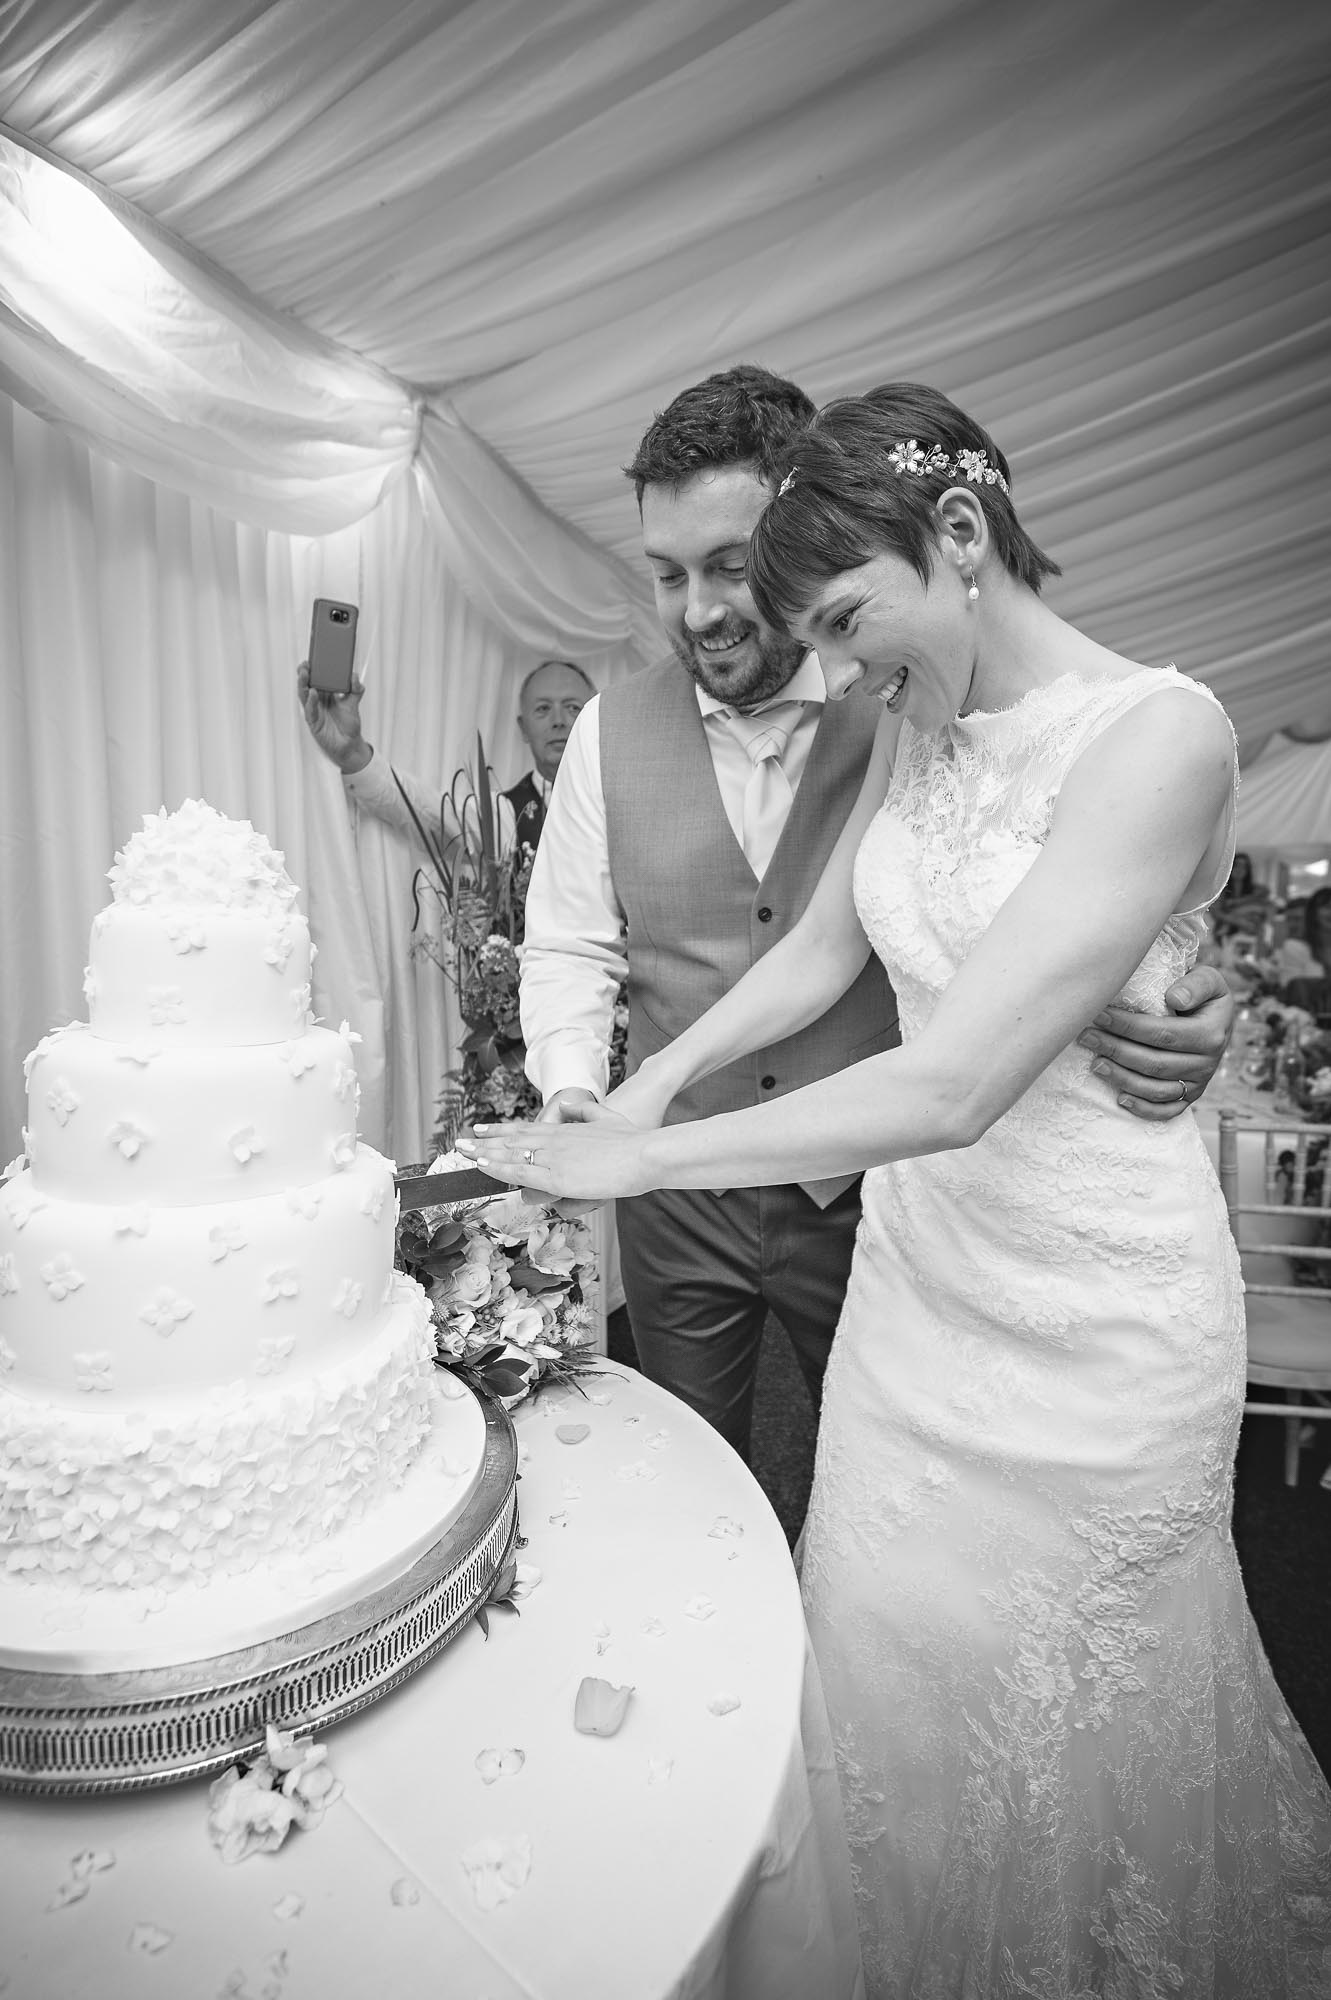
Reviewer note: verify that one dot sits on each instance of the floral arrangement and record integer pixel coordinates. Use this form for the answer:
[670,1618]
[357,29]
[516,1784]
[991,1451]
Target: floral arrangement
[477,878]
[507,1282]
[1292,1059]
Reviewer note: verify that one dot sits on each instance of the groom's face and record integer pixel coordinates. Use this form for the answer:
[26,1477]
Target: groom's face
[696,537]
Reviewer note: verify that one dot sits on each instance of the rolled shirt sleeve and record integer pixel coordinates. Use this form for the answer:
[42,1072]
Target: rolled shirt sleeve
[573,957]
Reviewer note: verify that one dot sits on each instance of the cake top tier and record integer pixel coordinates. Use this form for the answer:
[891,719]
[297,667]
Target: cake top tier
[197,858]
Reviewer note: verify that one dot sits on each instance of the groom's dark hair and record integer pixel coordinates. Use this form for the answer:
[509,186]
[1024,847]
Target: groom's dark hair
[743,416]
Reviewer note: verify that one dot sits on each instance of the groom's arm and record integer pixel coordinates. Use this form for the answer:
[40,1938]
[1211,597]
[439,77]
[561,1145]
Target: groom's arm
[1144,1057]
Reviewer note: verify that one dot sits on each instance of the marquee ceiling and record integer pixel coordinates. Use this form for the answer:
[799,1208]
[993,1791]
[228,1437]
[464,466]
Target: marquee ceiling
[1102,226]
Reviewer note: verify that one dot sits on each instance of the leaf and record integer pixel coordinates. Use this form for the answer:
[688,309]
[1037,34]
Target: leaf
[502,1378]
[532,1280]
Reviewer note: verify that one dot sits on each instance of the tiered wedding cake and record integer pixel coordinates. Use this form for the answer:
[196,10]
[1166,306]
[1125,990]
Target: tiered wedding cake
[218,1412]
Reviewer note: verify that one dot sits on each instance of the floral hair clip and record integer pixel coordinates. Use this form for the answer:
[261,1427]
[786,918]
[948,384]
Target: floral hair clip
[920,461]
[785,485]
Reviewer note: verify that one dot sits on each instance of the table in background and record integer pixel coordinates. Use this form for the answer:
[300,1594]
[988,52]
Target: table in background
[694,1854]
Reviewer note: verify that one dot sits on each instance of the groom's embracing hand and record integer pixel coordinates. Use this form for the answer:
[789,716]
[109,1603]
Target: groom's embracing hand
[1159,1064]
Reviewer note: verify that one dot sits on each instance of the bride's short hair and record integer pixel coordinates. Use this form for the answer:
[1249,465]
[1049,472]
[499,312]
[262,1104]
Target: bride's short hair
[866,478]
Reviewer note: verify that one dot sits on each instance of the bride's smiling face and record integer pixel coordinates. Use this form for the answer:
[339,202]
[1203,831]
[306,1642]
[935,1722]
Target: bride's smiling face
[880,630]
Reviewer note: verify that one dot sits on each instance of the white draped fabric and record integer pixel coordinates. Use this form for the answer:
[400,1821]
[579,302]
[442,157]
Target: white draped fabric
[378,301]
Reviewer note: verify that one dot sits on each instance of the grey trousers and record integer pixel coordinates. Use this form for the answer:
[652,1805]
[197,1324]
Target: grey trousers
[701,1273]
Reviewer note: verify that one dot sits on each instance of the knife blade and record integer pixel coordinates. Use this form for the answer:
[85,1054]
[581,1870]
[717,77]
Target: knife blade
[433,1190]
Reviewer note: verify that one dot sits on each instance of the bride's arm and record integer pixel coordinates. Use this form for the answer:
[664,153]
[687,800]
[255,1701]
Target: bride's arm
[794,983]
[1140,811]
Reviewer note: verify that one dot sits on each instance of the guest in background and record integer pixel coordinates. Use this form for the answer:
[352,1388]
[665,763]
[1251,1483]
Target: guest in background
[549,702]
[1310,987]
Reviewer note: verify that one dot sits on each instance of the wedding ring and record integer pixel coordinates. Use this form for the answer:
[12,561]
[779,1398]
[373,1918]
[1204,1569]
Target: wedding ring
[529,1157]
[1183,1090]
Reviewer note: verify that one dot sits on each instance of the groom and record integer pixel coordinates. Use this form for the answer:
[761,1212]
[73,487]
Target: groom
[696,805]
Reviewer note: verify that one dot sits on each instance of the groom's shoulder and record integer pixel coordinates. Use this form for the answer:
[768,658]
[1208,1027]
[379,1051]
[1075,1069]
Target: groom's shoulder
[650,694]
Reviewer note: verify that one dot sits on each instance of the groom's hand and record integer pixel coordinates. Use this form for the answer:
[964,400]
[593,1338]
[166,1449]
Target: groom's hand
[569,1107]
[1146,1058]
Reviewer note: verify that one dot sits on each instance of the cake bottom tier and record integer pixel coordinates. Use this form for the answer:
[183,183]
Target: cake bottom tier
[161,1498]
[50,1626]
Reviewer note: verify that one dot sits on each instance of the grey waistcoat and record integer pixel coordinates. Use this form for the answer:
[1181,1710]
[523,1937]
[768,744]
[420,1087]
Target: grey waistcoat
[697,920]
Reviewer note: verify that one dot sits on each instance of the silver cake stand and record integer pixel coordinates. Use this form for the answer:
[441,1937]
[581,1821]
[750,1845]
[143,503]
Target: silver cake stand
[65,1734]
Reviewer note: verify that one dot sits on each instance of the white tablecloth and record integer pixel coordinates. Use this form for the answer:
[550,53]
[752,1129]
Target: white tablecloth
[695,1854]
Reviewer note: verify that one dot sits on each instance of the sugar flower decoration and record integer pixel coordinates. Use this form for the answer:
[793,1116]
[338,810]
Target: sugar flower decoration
[224,1237]
[289,1784]
[60,1277]
[92,1372]
[8,1275]
[372,1203]
[165,1311]
[347,1298]
[496,1764]
[342,1152]
[132,1221]
[281,940]
[274,1353]
[166,1006]
[23,1206]
[186,934]
[348,1032]
[344,1080]
[282,1283]
[127,1138]
[298,1058]
[63,1100]
[141,1053]
[7,1356]
[92,985]
[245,1144]
[304,1202]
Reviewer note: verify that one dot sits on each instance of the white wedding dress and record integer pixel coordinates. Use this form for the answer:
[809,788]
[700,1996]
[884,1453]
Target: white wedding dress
[1067,1770]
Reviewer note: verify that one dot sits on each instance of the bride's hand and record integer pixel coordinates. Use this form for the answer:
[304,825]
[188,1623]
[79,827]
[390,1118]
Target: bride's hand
[599,1158]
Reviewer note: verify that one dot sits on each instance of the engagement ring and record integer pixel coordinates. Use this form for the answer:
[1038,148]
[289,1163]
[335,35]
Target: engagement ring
[529,1157]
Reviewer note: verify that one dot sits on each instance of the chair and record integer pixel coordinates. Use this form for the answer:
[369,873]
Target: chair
[1289,1325]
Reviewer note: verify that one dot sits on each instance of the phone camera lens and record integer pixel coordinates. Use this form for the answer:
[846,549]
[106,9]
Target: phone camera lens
[338,616]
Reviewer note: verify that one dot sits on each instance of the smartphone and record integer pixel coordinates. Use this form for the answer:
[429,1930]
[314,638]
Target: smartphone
[332,645]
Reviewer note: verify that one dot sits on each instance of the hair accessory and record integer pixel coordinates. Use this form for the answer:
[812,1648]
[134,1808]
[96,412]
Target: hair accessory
[923,460]
[785,485]
[974,590]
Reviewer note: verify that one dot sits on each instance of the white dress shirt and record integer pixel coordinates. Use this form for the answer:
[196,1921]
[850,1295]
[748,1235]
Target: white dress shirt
[574,959]
[372,789]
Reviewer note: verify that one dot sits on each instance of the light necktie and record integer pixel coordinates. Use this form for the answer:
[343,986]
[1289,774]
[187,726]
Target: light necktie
[767,795]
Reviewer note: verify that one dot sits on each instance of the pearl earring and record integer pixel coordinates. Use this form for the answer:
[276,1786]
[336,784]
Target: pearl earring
[974,590]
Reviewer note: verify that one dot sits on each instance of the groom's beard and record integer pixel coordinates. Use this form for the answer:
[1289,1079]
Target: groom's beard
[764,666]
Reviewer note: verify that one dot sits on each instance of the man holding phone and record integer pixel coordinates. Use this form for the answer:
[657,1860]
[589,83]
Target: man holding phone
[549,702]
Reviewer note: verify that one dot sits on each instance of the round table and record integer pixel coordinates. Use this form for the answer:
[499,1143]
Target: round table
[699,1852]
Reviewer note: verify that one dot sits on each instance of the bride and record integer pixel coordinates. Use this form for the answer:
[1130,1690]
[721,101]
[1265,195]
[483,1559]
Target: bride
[1067,1770]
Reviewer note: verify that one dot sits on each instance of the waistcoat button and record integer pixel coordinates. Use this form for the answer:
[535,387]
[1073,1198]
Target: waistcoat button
[769,1083]
[764,915]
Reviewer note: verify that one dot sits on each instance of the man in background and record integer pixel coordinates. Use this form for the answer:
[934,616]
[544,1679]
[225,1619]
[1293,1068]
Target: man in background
[549,702]
[696,806]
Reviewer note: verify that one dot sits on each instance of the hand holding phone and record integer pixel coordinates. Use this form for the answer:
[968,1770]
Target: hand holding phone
[329,693]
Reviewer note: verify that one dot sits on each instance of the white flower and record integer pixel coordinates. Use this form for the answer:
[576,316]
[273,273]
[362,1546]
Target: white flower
[7,1357]
[304,1202]
[141,1053]
[348,1032]
[468,1284]
[521,1326]
[342,1152]
[282,1283]
[298,1058]
[246,1816]
[278,948]
[24,1205]
[347,1298]
[92,1372]
[92,985]
[550,1248]
[700,1608]
[373,1203]
[223,1237]
[723,1704]
[165,1311]
[274,1353]
[60,1277]
[127,1138]
[186,934]
[496,1764]
[165,1004]
[344,1080]
[245,1144]
[132,1221]
[8,1275]
[63,1100]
